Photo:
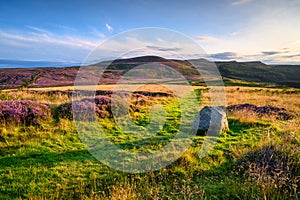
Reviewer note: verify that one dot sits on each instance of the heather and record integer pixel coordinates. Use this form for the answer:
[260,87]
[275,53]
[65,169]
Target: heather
[279,113]
[23,111]
[100,105]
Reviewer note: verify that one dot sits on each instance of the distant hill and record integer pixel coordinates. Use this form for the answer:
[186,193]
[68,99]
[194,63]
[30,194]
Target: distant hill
[282,75]
[232,72]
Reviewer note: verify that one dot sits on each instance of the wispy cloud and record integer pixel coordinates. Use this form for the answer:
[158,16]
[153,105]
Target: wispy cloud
[40,44]
[37,29]
[271,57]
[61,26]
[108,27]
[21,38]
[176,49]
[206,38]
[292,56]
[97,33]
[224,56]
[234,33]
[240,2]
[261,38]
[42,36]
[270,53]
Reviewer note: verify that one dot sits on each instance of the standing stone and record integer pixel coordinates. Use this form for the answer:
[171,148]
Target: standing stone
[211,120]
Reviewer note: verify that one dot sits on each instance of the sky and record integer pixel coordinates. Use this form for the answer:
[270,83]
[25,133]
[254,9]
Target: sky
[68,30]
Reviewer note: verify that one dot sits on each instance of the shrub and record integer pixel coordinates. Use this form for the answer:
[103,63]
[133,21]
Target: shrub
[268,110]
[24,111]
[65,111]
[100,105]
[272,168]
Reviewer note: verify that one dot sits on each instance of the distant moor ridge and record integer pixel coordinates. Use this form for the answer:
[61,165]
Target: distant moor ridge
[249,73]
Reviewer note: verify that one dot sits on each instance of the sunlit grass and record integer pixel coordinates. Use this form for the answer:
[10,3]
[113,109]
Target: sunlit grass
[49,161]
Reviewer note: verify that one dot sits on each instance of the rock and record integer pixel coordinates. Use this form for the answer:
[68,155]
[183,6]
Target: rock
[212,119]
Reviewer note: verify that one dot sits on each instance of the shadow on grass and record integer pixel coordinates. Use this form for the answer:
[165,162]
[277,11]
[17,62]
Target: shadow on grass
[53,158]
[236,125]
[180,179]
[143,143]
[45,159]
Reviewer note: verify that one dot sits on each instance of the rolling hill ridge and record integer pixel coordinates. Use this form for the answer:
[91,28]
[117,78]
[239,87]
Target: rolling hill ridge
[258,72]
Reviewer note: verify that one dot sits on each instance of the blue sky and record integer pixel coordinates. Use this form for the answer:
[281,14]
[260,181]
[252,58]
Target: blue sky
[67,30]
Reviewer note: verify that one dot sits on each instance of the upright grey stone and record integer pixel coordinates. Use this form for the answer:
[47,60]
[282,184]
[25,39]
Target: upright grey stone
[211,120]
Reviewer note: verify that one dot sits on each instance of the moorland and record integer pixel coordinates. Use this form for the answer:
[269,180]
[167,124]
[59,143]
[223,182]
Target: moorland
[43,157]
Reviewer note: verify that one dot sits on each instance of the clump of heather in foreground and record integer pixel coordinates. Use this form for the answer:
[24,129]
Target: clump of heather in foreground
[100,105]
[24,111]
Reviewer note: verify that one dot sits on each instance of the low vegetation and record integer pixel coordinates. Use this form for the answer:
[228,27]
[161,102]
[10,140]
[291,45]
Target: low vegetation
[258,158]
[24,111]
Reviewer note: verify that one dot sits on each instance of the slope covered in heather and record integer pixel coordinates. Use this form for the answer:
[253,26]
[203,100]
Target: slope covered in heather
[280,75]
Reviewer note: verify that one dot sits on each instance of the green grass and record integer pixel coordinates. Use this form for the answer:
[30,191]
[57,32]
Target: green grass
[58,166]
[49,161]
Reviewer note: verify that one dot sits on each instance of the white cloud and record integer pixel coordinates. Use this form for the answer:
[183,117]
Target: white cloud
[240,2]
[131,44]
[44,45]
[108,27]
[37,29]
[234,33]
[61,26]
[97,33]
[47,38]
[206,38]
[269,30]
[10,37]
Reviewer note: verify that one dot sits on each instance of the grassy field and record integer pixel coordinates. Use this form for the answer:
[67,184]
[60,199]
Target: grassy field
[258,158]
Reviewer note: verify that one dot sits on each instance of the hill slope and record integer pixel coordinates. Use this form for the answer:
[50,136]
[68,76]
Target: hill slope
[281,75]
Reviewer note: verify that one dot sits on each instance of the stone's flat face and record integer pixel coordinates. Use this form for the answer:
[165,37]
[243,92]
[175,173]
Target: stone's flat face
[213,118]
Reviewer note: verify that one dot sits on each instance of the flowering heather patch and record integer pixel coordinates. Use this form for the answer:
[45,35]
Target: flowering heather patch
[23,111]
[279,113]
[100,105]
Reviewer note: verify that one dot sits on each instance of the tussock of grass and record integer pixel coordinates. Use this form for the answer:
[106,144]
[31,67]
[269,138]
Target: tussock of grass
[273,169]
